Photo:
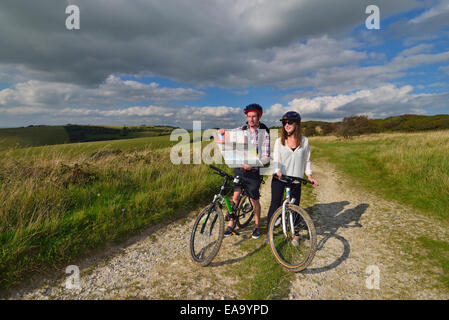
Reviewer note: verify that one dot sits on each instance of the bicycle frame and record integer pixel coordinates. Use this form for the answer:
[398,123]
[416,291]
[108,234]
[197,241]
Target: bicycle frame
[218,198]
[222,197]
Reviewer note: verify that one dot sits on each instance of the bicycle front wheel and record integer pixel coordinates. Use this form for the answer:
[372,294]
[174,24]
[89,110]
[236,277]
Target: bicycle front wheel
[207,235]
[245,211]
[292,249]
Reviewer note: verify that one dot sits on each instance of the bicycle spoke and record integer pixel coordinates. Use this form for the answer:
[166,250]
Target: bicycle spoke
[292,251]
[206,236]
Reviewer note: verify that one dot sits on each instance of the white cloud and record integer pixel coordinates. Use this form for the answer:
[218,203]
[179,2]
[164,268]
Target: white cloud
[445,69]
[383,101]
[433,12]
[111,92]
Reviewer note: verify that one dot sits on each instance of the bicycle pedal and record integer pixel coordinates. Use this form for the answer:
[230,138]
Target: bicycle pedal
[235,233]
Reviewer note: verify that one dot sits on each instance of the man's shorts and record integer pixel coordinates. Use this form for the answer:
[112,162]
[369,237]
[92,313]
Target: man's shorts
[251,180]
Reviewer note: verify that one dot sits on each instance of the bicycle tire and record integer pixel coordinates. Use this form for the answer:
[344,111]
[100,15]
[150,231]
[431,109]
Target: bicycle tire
[281,246]
[215,224]
[244,214]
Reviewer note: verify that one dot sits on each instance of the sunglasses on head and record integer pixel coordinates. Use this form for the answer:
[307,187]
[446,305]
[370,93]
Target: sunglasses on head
[284,122]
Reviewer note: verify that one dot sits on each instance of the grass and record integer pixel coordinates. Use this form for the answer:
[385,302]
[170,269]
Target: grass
[59,202]
[438,254]
[261,277]
[409,168]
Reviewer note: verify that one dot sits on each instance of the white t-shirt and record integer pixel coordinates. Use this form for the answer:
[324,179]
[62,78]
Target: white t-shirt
[292,163]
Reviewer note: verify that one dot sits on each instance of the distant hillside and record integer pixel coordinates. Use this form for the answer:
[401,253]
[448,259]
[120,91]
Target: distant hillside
[33,136]
[356,125]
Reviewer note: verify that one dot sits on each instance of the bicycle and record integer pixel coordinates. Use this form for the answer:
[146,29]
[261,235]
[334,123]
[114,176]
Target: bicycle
[208,229]
[291,233]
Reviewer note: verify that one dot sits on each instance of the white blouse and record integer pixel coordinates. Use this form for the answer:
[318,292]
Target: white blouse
[292,163]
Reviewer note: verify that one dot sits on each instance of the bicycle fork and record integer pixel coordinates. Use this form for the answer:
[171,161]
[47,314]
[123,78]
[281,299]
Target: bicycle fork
[290,216]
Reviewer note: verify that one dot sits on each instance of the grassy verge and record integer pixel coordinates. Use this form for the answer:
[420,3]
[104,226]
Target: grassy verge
[412,169]
[57,203]
[261,277]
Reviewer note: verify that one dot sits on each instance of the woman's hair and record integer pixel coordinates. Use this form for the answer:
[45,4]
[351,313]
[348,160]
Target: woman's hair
[296,134]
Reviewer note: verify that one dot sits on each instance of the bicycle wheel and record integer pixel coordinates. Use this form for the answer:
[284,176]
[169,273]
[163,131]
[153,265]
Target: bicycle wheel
[245,212]
[293,257]
[207,235]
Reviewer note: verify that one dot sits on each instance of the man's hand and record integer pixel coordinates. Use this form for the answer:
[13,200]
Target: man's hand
[221,131]
[247,167]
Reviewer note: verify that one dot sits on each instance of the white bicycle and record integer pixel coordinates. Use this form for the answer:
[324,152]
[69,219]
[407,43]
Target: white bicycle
[291,232]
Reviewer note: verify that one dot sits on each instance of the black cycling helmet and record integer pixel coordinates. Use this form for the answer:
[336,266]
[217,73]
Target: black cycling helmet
[291,115]
[253,107]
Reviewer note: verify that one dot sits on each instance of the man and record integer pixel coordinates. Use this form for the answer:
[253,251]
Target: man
[258,136]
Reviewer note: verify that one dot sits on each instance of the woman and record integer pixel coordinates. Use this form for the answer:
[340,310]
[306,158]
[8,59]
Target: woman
[291,157]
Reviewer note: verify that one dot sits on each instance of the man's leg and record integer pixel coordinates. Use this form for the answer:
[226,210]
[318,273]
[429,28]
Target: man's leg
[256,206]
[235,199]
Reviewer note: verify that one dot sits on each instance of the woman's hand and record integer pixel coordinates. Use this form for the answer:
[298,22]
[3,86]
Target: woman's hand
[315,183]
[279,174]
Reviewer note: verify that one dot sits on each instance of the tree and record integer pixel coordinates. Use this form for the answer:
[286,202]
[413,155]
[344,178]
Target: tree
[124,132]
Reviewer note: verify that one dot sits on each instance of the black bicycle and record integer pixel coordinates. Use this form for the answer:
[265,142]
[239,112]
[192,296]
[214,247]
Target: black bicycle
[208,229]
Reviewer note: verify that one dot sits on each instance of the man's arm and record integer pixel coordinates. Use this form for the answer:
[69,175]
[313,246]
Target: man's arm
[265,152]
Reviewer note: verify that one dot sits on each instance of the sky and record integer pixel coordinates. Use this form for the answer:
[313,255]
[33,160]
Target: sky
[172,62]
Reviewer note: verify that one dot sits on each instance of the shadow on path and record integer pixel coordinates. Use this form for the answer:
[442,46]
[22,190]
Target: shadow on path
[328,219]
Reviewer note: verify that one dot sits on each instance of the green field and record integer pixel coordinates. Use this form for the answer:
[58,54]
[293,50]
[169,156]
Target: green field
[33,136]
[59,202]
[77,149]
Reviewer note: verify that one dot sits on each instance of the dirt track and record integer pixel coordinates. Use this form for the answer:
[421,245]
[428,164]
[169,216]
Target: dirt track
[356,230]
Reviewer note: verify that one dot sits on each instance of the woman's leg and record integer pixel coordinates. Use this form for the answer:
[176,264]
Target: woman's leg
[277,192]
[296,193]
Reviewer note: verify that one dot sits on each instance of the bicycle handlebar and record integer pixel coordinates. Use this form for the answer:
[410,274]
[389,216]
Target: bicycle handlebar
[221,172]
[290,179]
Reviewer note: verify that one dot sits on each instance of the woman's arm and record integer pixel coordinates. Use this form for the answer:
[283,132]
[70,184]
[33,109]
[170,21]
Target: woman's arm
[308,170]
[277,158]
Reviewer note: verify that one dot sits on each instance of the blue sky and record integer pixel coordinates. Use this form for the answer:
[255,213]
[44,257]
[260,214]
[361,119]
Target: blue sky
[169,62]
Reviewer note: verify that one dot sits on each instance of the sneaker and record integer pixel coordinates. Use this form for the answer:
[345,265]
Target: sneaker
[228,231]
[256,234]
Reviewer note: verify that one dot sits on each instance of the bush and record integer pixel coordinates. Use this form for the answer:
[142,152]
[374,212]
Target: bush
[309,131]
[354,126]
